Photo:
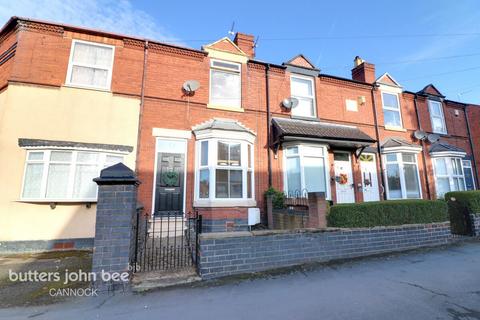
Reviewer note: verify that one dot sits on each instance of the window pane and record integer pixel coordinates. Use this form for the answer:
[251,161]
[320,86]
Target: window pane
[437,124]
[89,76]
[249,155]
[435,109]
[340,156]
[221,183]
[390,100]
[84,53]
[314,171]
[33,180]
[391,118]
[235,183]
[35,156]
[88,157]
[249,184]
[235,154]
[225,88]
[408,157]
[393,179]
[204,183]
[204,153]
[83,186]
[441,167]
[293,176]
[305,108]
[443,186]
[301,87]
[222,154]
[226,65]
[456,166]
[468,176]
[111,160]
[292,151]
[312,151]
[411,181]
[392,157]
[65,156]
[57,180]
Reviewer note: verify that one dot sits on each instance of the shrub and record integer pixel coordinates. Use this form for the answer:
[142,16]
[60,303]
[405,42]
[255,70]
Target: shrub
[278,200]
[387,213]
[460,205]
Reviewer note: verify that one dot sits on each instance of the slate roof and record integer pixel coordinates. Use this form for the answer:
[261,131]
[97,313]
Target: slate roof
[222,124]
[24,142]
[316,129]
[445,147]
[397,142]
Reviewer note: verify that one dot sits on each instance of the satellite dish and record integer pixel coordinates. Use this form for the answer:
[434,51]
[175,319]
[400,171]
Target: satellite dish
[433,137]
[290,103]
[420,135]
[190,86]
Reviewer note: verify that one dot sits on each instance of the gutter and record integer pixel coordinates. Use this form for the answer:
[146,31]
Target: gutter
[474,164]
[377,136]
[142,103]
[267,96]
[424,157]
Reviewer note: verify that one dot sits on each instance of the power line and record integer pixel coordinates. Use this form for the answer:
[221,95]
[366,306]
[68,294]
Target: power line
[442,74]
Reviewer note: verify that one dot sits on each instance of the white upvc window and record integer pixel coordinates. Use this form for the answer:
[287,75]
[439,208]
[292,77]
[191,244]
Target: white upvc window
[306,170]
[303,89]
[224,170]
[437,117]
[392,115]
[402,176]
[90,65]
[64,175]
[225,83]
[449,175]
[468,173]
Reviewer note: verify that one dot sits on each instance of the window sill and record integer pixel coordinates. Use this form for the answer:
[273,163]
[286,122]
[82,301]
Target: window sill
[74,86]
[225,203]
[392,128]
[225,108]
[314,118]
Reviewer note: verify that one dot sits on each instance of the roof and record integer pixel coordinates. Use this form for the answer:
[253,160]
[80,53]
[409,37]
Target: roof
[301,61]
[397,142]
[445,147]
[387,79]
[317,129]
[222,124]
[430,90]
[38,143]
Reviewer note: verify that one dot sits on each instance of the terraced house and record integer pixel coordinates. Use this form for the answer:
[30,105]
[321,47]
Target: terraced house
[215,127]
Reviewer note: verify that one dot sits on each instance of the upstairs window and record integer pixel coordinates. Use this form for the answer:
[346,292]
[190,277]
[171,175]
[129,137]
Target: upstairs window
[437,118]
[391,110]
[90,65]
[303,89]
[225,84]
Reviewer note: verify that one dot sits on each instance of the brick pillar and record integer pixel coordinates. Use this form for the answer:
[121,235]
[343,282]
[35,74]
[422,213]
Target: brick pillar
[317,210]
[116,211]
[270,211]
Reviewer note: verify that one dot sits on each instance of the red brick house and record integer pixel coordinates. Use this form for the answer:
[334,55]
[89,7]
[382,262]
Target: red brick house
[217,127]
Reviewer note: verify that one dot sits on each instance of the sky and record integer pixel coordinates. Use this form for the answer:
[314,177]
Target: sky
[416,42]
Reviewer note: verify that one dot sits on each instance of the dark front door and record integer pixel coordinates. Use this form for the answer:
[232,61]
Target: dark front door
[169,183]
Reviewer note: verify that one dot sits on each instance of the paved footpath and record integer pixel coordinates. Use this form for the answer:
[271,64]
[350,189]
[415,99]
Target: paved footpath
[441,283]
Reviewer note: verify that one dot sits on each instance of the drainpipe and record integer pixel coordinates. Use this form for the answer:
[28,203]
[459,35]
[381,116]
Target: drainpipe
[377,135]
[267,96]
[474,162]
[142,102]
[424,157]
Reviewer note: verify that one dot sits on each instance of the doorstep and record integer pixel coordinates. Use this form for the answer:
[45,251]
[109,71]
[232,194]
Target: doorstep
[145,281]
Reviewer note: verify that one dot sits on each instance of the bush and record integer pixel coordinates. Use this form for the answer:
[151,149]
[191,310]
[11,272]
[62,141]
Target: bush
[460,205]
[387,213]
[278,200]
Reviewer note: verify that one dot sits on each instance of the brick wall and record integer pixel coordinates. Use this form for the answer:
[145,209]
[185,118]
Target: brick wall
[243,252]
[475,225]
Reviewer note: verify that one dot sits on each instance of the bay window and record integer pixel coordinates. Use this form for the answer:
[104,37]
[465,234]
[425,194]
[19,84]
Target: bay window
[437,117]
[90,65]
[225,83]
[391,110]
[305,170]
[402,177]
[64,175]
[449,175]
[224,170]
[303,89]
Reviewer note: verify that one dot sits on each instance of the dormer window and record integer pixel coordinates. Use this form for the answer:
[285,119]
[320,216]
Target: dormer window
[303,89]
[437,117]
[391,110]
[225,84]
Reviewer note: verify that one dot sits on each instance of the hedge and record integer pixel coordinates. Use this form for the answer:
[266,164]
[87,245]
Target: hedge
[387,213]
[278,198]
[460,205]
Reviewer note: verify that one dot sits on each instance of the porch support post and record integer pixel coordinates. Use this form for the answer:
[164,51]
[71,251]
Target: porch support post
[317,210]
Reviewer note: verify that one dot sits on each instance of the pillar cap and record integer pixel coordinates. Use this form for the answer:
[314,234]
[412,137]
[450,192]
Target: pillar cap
[117,174]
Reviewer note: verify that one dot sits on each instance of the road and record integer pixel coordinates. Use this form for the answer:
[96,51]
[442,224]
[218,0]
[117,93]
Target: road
[440,283]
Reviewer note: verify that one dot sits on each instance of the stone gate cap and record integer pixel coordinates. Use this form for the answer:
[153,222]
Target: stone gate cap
[117,174]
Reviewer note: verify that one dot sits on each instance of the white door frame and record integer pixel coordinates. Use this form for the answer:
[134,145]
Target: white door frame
[351,173]
[376,173]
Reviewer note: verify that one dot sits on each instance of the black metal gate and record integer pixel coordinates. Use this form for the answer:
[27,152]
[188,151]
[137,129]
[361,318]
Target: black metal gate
[167,242]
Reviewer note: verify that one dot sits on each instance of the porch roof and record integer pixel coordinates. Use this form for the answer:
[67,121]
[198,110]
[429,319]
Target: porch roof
[445,147]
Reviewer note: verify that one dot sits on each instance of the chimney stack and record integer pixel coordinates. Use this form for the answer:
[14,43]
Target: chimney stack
[363,71]
[245,43]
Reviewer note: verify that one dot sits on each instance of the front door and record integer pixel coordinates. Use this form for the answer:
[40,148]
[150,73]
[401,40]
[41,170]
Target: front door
[343,178]
[368,168]
[169,183]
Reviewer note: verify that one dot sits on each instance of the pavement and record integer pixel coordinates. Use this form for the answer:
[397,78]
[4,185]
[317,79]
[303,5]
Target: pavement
[439,283]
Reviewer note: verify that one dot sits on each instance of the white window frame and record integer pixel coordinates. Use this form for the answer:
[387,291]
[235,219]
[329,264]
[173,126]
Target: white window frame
[450,174]
[101,164]
[71,64]
[228,70]
[401,170]
[301,154]
[212,200]
[441,117]
[467,164]
[399,110]
[312,97]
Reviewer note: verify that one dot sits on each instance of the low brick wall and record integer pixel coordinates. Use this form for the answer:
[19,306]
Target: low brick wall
[224,254]
[475,224]
[45,245]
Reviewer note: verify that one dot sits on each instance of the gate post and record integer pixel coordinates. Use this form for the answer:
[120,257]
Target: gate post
[114,236]
[317,210]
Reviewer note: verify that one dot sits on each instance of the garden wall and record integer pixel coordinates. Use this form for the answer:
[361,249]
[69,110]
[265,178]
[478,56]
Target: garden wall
[230,253]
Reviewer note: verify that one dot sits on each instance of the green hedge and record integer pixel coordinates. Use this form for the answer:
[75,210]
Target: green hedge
[387,213]
[460,205]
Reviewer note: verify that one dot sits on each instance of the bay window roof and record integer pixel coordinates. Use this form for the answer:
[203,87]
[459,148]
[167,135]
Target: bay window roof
[41,143]
[445,149]
[399,145]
